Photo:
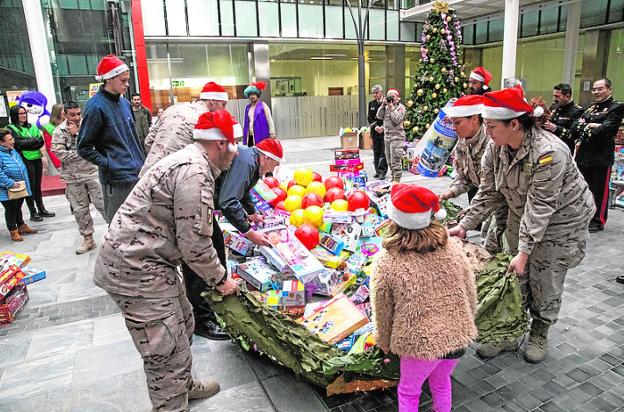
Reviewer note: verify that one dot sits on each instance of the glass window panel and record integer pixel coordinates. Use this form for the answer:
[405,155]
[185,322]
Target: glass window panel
[310,21]
[246,23]
[269,19]
[349,25]
[408,31]
[92,62]
[481,28]
[227,18]
[68,4]
[468,34]
[496,30]
[203,17]
[393,25]
[77,64]
[289,20]
[529,23]
[563,18]
[176,20]
[376,22]
[84,4]
[98,5]
[548,20]
[153,18]
[593,13]
[616,10]
[333,22]
[615,60]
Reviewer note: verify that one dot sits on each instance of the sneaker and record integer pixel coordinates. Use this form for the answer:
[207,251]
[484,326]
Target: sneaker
[210,329]
[202,390]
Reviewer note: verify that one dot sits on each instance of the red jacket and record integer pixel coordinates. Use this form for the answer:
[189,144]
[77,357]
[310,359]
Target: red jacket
[47,138]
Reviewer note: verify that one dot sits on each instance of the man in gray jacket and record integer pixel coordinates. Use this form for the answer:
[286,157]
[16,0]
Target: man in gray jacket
[392,112]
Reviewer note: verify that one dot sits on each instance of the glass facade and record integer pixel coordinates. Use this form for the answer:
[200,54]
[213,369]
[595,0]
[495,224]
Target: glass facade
[16,65]
[615,61]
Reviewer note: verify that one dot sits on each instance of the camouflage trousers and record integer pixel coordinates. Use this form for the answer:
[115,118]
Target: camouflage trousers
[80,196]
[393,150]
[542,284]
[493,229]
[162,330]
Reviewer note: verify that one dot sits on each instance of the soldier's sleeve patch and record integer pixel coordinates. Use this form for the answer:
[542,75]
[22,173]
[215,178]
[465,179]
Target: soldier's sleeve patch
[544,160]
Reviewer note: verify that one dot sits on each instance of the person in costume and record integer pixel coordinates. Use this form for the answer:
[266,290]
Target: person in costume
[479,81]
[258,123]
[426,316]
[532,172]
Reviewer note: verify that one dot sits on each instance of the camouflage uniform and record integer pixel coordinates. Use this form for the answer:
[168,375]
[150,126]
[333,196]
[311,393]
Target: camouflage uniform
[467,157]
[549,211]
[81,176]
[160,141]
[166,219]
[394,137]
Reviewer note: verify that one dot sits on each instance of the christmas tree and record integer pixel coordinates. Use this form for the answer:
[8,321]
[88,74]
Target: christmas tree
[440,75]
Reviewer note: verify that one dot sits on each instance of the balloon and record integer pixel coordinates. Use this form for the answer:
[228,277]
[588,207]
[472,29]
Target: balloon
[291,183]
[281,195]
[317,177]
[296,217]
[339,205]
[303,177]
[334,193]
[358,200]
[311,199]
[284,186]
[280,205]
[292,202]
[308,235]
[271,182]
[333,181]
[296,190]
[313,215]
[316,187]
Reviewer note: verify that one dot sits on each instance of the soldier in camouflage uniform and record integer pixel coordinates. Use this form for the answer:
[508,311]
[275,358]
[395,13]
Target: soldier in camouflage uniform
[166,220]
[81,176]
[175,126]
[550,206]
[392,112]
[467,154]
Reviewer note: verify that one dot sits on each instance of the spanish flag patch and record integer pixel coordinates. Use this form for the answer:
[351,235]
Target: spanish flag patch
[544,160]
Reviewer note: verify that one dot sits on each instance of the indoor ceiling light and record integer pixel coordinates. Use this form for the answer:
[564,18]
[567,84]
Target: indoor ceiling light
[321,58]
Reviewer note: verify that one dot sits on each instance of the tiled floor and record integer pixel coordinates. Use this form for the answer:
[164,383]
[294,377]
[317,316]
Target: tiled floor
[69,349]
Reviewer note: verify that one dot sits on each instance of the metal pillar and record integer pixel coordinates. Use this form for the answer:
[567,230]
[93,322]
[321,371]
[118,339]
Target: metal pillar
[573,26]
[39,49]
[510,41]
[262,68]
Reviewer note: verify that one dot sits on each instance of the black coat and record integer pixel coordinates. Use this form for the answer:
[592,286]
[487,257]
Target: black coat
[598,145]
[373,121]
[564,117]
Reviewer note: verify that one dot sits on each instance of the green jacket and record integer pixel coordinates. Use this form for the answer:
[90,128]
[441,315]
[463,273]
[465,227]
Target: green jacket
[32,132]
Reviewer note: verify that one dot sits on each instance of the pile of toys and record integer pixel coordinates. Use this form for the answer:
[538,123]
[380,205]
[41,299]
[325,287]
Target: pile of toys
[15,274]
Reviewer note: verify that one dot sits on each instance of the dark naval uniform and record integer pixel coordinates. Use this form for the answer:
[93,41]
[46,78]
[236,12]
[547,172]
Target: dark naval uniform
[564,117]
[595,155]
[381,166]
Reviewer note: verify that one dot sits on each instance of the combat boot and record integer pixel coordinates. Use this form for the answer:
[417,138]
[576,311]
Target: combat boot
[536,348]
[489,350]
[26,230]
[15,236]
[86,246]
[201,390]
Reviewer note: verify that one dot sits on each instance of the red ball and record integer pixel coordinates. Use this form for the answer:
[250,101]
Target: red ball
[280,205]
[271,182]
[334,193]
[281,195]
[333,181]
[311,199]
[291,183]
[317,177]
[308,235]
[358,200]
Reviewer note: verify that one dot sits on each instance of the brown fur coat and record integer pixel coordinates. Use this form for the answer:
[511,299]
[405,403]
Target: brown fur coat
[424,303]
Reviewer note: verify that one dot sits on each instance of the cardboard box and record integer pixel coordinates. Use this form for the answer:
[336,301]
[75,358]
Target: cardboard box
[32,275]
[346,154]
[257,273]
[349,140]
[334,320]
[293,294]
[8,258]
[9,279]
[237,243]
[366,141]
[14,302]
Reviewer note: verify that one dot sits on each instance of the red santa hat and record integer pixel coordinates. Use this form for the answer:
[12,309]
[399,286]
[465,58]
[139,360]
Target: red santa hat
[217,125]
[411,206]
[465,106]
[506,104]
[481,75]
[393,92]
[213,91]
[271,148]
[110,66]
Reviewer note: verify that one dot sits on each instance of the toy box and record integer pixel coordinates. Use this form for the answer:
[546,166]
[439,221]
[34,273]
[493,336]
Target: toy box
[257,273]
[346,154]
[264,191]
[237,242]
[8,258]
[331,243]
[293,294]
[9,278]
[32,275]
[299,259]
[349,234]
[14,301]
[328,259]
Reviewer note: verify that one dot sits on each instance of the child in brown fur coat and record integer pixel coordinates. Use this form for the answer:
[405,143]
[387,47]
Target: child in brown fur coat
[423,297]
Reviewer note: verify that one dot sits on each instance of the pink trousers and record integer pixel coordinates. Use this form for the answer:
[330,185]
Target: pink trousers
[414,372]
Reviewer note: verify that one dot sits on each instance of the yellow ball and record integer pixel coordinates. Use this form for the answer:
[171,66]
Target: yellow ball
[284,186]
[415,129]
[434,95]
[407,123]
[318,188]
[303,177]
[420,92]
[296,217]
[340,205]
[313,215]
[292,202]
[410,103]
[296,190]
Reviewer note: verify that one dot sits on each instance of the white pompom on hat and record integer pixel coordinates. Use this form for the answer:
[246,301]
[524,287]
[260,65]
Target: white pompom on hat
[411,207]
